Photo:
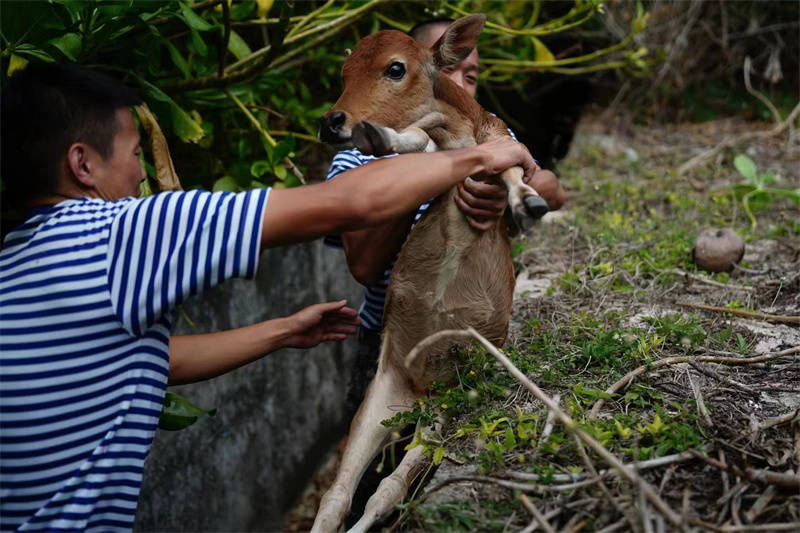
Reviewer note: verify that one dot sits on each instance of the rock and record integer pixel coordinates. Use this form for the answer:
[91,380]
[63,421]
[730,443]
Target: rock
[717,249]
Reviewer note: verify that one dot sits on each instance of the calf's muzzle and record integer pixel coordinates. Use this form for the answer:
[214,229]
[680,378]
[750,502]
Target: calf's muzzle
[332,128]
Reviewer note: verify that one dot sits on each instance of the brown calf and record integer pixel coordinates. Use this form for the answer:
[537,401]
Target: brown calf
[448,275]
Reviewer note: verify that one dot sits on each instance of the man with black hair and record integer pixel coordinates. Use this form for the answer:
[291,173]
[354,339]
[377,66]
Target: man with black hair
[371,252]
[89,279]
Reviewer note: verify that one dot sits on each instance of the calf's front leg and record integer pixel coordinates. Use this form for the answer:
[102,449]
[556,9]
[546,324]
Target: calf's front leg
[374,139]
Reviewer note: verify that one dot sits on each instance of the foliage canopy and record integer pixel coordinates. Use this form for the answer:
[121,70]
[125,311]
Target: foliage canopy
[243,84]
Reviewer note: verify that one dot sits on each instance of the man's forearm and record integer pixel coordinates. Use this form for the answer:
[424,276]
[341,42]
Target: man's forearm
[197,357]
[367,195]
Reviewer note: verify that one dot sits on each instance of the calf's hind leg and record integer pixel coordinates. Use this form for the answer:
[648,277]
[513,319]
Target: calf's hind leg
[392,489]
[388,393]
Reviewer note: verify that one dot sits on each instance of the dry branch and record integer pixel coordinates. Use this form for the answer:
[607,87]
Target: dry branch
[767,477]
[793,416]
[531,508]
[637,465]
[707,281]
[740,312]
[685,359]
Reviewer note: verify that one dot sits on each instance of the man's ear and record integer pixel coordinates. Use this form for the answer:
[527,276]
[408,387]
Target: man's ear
[80,161]
[458,40]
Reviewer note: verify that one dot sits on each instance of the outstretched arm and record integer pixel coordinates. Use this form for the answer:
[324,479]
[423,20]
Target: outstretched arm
[198,357]
[381,191]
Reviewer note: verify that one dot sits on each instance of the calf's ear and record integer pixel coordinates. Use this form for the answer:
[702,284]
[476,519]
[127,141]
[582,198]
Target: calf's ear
[458,40]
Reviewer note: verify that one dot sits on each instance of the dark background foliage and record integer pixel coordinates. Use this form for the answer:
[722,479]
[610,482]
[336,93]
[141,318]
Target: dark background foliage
[240,87]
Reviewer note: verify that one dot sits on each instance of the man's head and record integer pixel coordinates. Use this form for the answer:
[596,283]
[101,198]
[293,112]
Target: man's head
[64,126]
[465,74]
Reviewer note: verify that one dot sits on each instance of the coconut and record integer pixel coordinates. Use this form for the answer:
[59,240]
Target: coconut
[717,249]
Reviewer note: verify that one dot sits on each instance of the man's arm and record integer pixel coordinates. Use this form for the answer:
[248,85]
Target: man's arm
[381,191]
[197,357]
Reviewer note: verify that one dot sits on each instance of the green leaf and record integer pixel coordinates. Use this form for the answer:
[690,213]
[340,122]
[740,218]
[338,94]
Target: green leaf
[193,20]
[509,441]
[179,413]
[182,123]
[178,59]
[438,455]
[746,167]
[238,47]
[68,44]
[226,183]
[283,149]
[542,52]
[280,171]
[16,63]
[198,43]
[259,168]
[33,51]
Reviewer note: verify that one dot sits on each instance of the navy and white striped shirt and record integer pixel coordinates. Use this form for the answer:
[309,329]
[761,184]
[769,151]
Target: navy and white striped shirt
[86,289]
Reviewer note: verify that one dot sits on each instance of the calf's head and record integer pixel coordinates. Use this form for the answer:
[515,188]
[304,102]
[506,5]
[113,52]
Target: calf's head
[389,79]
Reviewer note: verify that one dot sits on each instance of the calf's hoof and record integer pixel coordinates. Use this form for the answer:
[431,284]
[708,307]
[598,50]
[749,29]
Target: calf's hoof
[528,212]
[371,139]
[535,206]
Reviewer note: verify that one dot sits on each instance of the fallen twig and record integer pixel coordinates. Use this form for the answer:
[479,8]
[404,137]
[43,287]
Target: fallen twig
[701,404]
[595,476]
[761,503]
[638,466]
[784,481]
[531,508]
[534,525]
[685,359]
[793,416]
[707,281]
[710,373]
[781,526]
[742,312]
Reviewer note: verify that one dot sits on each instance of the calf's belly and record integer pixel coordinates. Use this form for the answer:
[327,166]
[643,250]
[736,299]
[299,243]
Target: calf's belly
[447,277]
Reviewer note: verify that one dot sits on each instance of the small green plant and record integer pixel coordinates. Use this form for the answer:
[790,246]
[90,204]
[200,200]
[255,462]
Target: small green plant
[179,413]
[758,190]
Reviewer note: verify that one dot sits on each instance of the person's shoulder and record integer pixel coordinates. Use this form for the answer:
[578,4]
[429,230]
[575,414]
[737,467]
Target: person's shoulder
[352,157]
[346,160]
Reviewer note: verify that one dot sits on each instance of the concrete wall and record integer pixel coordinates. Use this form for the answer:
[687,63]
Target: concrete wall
[243,468]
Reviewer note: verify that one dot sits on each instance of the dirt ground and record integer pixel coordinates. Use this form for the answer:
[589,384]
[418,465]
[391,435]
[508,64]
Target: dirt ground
[711,419]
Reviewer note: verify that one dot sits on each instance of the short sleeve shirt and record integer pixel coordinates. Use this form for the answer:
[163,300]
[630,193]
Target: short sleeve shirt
[86,290]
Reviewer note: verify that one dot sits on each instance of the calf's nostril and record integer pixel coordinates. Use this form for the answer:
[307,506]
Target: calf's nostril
[335,121]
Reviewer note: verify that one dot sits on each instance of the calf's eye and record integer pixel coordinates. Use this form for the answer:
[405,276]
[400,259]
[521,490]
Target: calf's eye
[396,71]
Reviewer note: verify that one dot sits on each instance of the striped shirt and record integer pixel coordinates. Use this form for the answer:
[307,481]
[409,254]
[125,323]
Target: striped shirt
[86,289]
[371,311]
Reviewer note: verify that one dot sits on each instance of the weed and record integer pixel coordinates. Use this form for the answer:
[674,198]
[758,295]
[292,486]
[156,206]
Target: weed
[757,191]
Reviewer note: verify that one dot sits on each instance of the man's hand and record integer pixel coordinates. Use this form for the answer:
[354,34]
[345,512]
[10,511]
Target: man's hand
[482,203]
[504,153]
[318,323]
